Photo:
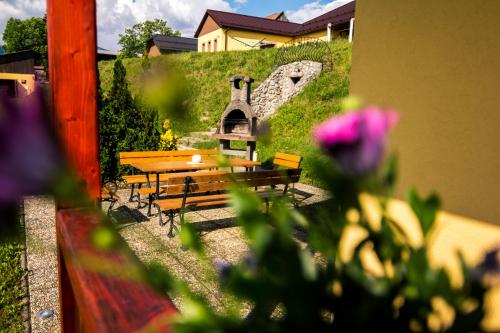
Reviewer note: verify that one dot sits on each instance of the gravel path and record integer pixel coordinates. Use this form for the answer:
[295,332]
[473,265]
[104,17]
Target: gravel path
[223,240]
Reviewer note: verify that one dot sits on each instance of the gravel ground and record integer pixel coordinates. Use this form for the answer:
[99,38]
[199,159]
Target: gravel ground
[41,251]
[147,239]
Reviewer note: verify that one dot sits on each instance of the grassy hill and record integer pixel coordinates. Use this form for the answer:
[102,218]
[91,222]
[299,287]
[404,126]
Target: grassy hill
[207,76]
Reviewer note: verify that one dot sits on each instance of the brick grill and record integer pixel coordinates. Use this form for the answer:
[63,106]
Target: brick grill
[238,122]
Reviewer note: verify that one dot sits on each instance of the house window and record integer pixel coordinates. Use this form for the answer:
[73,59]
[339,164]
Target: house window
[203,47]
[209,46]
[215,45]
[267,46]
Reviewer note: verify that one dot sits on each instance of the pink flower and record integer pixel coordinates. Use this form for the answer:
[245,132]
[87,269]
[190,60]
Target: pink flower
[356,140]
[29,158]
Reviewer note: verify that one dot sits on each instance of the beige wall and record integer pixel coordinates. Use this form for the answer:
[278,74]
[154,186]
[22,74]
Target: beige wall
[25,82]
[218,34]
[154,51]
[438,63]
[322,34]
[244,40]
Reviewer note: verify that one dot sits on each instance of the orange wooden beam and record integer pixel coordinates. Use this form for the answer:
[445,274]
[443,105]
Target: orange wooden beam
[108,290]
[72,44]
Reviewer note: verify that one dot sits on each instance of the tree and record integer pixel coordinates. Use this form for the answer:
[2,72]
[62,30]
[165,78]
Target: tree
[117,105]
[125,124]
[149,133]
[28,34]
[134,40]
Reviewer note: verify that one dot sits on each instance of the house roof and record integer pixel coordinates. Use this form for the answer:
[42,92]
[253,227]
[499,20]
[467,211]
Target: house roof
[336,17]
[18,56]
[276,16]
[173,43]
[252,23]
[106,52]
[272,25]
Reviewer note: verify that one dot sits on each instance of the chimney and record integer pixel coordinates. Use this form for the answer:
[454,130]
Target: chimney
[241,88]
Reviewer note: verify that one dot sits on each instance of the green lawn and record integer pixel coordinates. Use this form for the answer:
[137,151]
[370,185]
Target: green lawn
[208,75]
[11,291]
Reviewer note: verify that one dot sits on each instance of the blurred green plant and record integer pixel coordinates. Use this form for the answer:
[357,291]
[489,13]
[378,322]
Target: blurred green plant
[292,288]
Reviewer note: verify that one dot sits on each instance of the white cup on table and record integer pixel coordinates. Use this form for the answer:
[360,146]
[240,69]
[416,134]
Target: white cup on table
[196,159]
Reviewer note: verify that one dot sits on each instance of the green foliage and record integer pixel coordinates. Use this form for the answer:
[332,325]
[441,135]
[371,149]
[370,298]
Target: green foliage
[317,291]
[126,124]
[28,34]
[424,209]
[11,291]
[134,40]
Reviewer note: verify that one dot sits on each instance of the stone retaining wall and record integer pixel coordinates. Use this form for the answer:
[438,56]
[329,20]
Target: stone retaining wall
[282,85]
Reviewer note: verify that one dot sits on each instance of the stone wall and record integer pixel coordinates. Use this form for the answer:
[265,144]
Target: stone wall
[282,85]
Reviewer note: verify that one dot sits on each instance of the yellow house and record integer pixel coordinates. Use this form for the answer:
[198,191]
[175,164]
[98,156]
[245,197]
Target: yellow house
[17,73]
[223,31]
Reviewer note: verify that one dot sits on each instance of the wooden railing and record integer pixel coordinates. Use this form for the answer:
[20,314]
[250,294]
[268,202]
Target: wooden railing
[104,291]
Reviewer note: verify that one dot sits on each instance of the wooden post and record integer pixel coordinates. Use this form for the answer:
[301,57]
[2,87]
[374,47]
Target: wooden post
[72,38]
[71,27]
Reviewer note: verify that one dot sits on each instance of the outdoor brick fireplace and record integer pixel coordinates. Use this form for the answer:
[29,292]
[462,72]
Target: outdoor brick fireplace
[238,122]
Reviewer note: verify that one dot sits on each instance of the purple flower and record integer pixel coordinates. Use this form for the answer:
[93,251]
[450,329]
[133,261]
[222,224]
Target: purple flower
[489,266]
[356,140]
[222,267]
[29,158]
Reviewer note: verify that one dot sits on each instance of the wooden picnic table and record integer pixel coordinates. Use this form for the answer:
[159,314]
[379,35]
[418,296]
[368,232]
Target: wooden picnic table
[178,166]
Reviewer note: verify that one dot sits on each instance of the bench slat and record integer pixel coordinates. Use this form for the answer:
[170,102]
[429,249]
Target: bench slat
[198,177]
[288,157]
[287,160]
[286,164]
[141,179]
[266,174]
[196,201]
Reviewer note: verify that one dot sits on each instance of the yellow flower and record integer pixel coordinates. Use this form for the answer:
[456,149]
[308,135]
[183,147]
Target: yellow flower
[168,140]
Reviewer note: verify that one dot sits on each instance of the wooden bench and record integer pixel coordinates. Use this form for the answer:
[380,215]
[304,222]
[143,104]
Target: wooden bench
[135,157]
[287,161]
[108,193]
[205,190]
[150,192]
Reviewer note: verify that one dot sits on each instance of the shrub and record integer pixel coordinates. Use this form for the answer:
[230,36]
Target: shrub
[125,124]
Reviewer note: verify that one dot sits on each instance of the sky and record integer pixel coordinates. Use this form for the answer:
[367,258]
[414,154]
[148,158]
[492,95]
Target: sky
[114,16]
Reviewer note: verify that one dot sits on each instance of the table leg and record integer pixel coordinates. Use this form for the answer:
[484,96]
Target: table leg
[157,185]
[148,181]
